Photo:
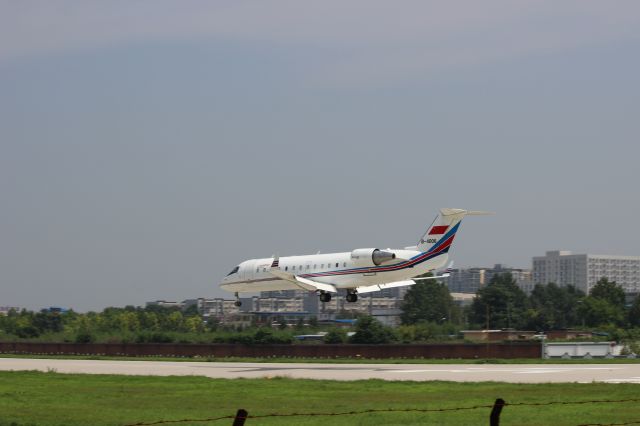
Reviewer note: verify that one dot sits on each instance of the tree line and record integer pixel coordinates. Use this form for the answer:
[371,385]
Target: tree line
[502,304]
[428,314]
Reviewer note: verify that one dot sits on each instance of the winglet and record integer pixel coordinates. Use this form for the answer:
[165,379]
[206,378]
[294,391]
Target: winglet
[276,262]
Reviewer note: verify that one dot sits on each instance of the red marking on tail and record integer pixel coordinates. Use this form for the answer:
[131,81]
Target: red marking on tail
[438,230]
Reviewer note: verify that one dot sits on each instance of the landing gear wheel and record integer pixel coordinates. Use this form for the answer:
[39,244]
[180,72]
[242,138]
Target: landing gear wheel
[325,297]
[352,297]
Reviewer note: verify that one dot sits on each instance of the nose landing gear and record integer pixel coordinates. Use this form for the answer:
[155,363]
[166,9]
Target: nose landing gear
[238,303]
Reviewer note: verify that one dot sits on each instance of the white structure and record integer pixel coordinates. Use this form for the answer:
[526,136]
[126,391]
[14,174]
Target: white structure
[584,270]
[582,350]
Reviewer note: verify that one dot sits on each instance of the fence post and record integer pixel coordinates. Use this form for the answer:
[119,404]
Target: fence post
[241,416]
[494,420]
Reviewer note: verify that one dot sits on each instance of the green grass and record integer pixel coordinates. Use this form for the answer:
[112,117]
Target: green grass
[338,360]
[33,398]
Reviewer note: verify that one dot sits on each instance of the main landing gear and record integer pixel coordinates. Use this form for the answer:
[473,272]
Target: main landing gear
[238,303]
[325,297]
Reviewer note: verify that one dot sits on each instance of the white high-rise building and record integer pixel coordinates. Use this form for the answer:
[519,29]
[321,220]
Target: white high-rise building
[584,270]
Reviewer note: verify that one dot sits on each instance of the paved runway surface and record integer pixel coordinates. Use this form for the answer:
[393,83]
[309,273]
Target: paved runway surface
[514,373]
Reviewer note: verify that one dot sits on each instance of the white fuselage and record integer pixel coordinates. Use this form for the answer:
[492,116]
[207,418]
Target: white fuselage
[338,269]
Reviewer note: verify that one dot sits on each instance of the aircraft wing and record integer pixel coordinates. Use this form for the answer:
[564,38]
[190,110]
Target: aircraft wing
[378,287]
[303,283]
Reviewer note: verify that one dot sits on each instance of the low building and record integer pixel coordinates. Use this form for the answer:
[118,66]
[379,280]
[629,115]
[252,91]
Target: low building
[4,310]
[470,280]
[218,308]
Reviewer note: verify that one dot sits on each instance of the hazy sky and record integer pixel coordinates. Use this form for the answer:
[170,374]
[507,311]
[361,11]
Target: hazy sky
[147,147]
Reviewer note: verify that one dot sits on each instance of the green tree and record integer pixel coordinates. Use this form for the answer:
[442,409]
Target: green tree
[128,321]
[149,321]
[609,291]
[174,321]
[84,330]
[634,313]
[46,321]
[370,330]
[553,307]
[429,301]
[194,324]
[500,304]
[596,312]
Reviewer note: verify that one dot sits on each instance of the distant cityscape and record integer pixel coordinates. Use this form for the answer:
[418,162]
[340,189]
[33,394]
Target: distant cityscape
[561,267]
[292,306]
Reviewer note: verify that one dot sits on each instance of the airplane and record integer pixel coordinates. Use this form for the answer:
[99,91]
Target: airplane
[360,271]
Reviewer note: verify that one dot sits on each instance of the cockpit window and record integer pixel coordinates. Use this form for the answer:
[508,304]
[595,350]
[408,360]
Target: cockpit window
[234,270]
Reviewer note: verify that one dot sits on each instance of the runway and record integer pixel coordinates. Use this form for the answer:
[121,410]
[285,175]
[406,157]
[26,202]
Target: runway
[512,373]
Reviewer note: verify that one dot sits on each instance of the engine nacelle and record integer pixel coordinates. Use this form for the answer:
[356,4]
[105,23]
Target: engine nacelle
[371,257]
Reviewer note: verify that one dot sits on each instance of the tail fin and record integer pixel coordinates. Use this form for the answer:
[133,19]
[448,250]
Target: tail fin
[443,229]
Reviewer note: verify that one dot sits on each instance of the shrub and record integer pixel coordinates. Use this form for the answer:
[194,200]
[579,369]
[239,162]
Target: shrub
[84,337]
[370,330]
[27,332]
[154,337]
[335,335]
[261,336]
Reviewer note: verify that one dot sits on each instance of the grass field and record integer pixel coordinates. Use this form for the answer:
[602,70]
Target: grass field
[32,398]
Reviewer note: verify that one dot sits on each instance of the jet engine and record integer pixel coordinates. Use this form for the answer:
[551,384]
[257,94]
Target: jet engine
[371,257]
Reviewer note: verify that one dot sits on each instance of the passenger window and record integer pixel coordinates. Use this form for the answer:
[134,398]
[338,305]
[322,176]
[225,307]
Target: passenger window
[307,267]
[301,267]
[286,268]
[344,264]
[336,264]
[315,266]
[322,266]
[264,269]
[257,269]
[293,268]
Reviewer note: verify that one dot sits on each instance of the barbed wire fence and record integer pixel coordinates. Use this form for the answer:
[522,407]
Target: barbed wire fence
[242,415]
